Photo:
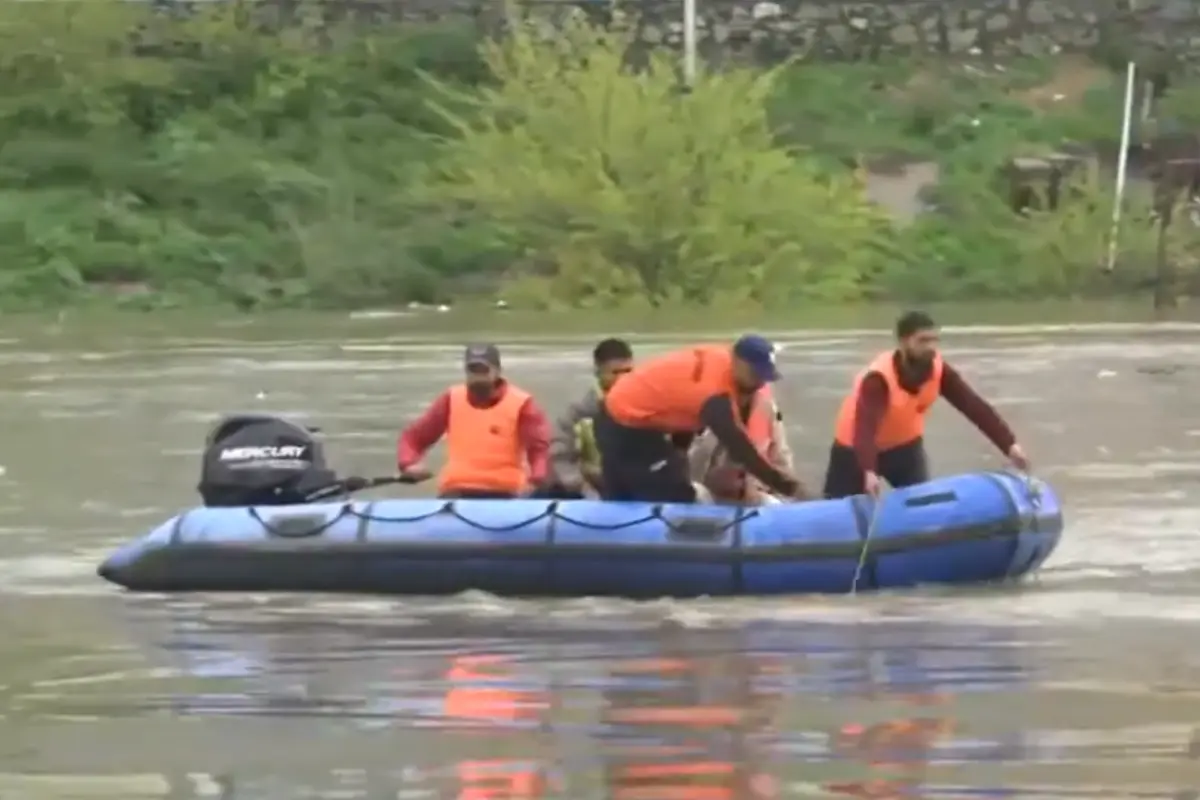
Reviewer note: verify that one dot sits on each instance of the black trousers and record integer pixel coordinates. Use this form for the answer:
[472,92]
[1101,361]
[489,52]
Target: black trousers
[641,465]
[904,465]
[550,492]
[556,491]
[475,494]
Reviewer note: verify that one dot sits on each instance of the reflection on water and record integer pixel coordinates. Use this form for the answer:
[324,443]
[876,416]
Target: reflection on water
[288,700]
[524,710]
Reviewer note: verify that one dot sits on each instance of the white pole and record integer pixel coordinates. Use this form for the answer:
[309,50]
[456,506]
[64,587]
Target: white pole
[1122,166]
[689,43]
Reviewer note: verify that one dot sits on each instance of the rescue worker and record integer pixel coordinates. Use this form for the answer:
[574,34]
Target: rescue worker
[497,435]
[651,416]
[880,428]
[724,480]
[574,457]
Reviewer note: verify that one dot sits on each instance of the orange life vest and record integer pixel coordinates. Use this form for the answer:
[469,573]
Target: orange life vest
[904,421]
[667,393]
[484,450]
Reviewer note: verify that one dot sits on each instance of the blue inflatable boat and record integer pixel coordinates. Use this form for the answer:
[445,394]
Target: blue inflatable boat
[957,530]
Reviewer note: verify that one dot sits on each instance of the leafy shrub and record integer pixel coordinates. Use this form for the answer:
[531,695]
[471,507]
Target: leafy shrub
[213,152]
[618,185]
[989,251]
[220,155]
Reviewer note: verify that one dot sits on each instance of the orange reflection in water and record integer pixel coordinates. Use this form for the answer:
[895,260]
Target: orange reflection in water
[477,696]
[902,746]
[711,713]
[478,692]
[499,779]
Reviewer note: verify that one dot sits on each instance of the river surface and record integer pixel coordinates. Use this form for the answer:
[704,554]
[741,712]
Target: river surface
[1081,683]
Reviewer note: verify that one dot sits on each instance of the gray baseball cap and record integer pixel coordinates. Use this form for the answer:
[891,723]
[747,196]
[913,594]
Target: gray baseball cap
[485,354]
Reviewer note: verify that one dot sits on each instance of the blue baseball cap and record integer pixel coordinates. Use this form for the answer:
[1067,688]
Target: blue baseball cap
[759,353]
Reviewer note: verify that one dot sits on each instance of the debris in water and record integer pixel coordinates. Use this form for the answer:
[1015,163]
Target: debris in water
[1160,369]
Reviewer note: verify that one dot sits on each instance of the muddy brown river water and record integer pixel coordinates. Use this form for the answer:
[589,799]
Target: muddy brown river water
[1081,683]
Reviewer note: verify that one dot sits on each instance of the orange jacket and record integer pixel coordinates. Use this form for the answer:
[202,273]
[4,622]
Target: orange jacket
[904,421]
[668,392]
[484,450]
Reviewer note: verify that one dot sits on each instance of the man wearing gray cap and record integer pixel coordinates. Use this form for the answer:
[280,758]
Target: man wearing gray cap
[497,437]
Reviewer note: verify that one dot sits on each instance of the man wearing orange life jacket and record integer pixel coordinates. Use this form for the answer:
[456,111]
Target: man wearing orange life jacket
[880,428]
[725,481]
[650,418]
[498,437]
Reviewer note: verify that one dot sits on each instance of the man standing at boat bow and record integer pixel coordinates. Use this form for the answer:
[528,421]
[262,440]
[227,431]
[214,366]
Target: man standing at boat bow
[880,428]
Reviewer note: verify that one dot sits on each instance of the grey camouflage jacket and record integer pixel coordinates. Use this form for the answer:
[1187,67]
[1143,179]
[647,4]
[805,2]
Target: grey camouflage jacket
[574,443]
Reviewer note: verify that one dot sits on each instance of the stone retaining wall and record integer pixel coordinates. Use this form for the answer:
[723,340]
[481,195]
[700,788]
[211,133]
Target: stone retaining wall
[840,30]
[848,30]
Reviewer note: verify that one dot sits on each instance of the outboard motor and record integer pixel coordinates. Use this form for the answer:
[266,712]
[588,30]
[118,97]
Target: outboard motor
[261,460]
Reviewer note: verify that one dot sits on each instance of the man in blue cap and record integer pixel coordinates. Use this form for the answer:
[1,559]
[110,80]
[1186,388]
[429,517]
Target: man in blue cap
[651,416]
[755,355]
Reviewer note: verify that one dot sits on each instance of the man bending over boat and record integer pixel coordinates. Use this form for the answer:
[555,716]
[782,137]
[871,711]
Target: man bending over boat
[650,417]
[723,479]
[496,434]
[880,428]
[574,457]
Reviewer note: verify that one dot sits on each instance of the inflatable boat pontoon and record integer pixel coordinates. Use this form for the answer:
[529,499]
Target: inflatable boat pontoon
[957,530]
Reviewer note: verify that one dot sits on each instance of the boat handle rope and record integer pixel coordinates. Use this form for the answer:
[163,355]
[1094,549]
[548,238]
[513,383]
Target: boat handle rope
[866,542]
[551,512]
[1033,493]
[316,530]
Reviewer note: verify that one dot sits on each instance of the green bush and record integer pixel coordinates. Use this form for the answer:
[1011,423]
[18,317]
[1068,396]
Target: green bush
[221,156]
[971,120]
[622,188]
[990,252]
[214,155]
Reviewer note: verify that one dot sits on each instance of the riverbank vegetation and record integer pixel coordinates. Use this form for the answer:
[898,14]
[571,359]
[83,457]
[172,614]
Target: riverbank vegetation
[224,157]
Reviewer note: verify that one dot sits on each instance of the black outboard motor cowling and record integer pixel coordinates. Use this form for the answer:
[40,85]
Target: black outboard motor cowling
[261,460]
